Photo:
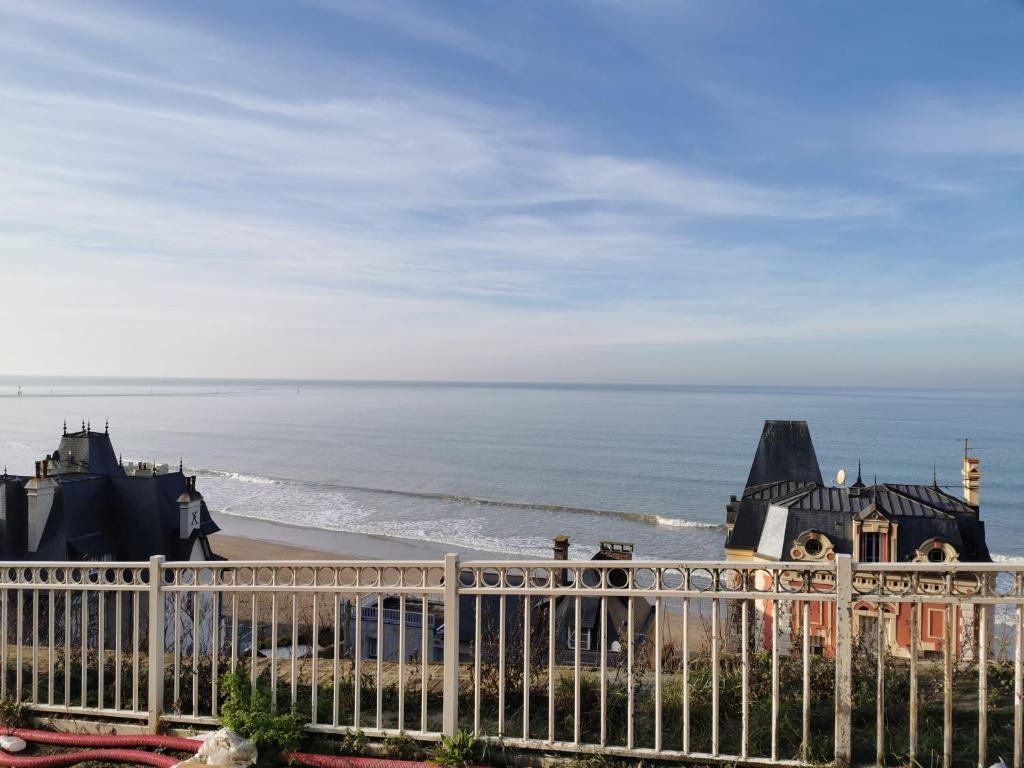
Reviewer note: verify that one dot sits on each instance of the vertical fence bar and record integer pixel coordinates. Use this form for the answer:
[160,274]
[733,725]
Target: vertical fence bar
[1018,683]
[880,688]
[631,635]
[805,720]
[501,658]
[136,650]
[604,668]
[380,661]
[19,640]
[844,647]
[577,651]
[477,656]
[3,645]
[776,609]
[35,650]
[336,661]
[527,599]
[234,631]
[745,681]
[156,643]
[67,646]
[84,676]
[915,640]
[215,600]
[51,645]
[450,701]
[402,623]
[552,606]
[314,682]
[176,685]
[101,599]
[253,632]
[715,678]
[686,666]
[295,649]
[981,612]
[657,668]
[196,618]
[273,650]
[357,662]
[947,689]
[424,651]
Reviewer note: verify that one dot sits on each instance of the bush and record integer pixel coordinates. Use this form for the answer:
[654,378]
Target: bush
[246,710]
[13,714]
[455,751]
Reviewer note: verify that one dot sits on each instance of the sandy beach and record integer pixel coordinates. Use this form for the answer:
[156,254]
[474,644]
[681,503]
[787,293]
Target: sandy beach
[247,538]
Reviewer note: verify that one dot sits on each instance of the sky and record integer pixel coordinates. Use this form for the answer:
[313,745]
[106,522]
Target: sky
[609,191]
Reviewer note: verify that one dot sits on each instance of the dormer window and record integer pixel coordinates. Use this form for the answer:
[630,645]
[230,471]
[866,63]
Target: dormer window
[871,547]
[937,555]
[813,548]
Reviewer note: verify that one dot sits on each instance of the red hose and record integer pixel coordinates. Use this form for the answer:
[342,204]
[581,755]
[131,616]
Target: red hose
[339,761]
[136,756]
[103,740]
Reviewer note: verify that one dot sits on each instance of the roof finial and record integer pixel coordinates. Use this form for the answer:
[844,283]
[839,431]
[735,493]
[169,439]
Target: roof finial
[120,460]
[83,425]
[181,465]
[106,427]
[935,477]
[65,426]
[88,426]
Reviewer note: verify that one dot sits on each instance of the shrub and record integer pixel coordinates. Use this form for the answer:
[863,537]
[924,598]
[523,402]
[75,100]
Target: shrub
[246,710]
[455,751]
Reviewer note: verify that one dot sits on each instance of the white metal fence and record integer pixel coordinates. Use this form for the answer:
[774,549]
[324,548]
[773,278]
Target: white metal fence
[782,663]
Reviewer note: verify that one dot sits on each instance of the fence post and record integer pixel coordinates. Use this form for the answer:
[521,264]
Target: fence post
[844,652]
[156,642]
[450,718]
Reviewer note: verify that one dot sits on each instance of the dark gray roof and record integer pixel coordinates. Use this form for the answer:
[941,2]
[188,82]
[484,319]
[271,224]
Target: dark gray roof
[97,510]
[784,452]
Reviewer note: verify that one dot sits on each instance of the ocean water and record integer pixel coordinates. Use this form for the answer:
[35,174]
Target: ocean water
[504,468]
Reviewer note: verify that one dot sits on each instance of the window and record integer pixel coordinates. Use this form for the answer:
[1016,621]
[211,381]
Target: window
[871,547]
[813,547]
[936,555]
[584,643]
[371,647]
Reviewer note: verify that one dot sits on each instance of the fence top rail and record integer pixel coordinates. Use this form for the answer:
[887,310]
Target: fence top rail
[711,565]
[896,569]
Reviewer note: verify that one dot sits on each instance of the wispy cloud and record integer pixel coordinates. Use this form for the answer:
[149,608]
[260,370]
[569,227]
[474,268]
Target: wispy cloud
[203,200]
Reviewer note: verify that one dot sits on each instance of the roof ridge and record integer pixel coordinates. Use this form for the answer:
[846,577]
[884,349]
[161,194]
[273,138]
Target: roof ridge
[908,497]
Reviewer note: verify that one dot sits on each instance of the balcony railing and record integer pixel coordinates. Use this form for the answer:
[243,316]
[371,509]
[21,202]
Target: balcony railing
[755,663]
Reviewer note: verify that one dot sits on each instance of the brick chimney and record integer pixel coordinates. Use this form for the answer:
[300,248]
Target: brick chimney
[972,480]
[561,552]
[40,491]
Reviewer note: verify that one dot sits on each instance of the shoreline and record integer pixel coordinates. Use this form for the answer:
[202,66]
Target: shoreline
[250,538]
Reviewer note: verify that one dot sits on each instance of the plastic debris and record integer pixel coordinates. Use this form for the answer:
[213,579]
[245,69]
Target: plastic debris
[12,743]
[223,748]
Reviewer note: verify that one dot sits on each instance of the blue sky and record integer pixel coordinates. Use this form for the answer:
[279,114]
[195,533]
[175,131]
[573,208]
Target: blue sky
[611,191]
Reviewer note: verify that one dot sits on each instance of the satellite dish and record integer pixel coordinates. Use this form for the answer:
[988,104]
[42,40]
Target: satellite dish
[841,477]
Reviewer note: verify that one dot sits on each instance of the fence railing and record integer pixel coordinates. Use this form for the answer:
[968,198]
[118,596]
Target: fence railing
[750,662]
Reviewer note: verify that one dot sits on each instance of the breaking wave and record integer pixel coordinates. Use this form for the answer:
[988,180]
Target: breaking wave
[648,518]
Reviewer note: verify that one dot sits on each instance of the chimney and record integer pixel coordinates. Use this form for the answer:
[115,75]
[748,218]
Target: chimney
[972,480]
[561,550]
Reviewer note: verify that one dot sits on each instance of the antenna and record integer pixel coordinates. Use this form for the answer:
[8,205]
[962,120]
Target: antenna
[841,477]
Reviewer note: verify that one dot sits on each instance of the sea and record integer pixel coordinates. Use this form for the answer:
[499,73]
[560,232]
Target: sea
[503,468]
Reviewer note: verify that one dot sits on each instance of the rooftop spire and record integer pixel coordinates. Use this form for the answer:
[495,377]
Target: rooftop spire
[935,476]
[859,483]
[65,426]
[106,427]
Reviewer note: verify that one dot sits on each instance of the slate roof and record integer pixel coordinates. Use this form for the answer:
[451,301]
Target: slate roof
[775,510]
[784,452]
[98,511]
